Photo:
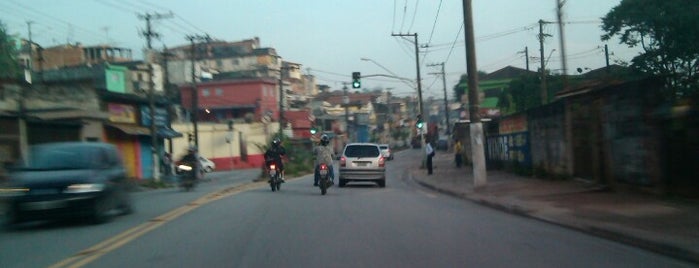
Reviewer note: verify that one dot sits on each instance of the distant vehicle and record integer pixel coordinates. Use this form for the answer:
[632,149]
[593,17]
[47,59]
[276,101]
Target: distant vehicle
[362,162]
[386,151]
[442,144]
[206,164]
[67,180]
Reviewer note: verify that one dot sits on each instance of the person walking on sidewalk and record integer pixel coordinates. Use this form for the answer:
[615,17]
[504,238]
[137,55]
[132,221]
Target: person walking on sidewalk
[458,151]
[430,153]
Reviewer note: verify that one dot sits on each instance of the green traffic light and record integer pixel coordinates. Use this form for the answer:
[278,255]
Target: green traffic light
[419,124]
[356,84]
[313,131]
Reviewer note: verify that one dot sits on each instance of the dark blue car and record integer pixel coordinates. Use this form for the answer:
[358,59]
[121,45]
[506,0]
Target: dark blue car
[67,180]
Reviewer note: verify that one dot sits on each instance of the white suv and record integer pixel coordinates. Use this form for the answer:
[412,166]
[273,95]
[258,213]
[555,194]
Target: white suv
[362,162]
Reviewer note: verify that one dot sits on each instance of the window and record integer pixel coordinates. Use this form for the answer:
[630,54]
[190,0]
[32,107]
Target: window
[219,63]
[362,151]
[219,92]
[205,92]
[235,61]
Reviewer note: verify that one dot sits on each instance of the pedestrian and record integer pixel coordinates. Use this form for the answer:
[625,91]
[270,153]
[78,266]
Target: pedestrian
[430,153]
[458,153]
[167,164]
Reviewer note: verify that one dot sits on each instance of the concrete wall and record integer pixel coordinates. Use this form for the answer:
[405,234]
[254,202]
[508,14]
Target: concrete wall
[241,152]
[548,140]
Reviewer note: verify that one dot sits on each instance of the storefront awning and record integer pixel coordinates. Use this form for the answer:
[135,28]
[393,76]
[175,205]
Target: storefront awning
[168,133]
[131,129]
[162,132]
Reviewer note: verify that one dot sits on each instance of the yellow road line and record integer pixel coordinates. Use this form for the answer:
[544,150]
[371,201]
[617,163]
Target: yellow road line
[100,249]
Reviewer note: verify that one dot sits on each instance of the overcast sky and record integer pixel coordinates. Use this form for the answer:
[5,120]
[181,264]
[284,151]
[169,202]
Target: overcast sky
[329,37]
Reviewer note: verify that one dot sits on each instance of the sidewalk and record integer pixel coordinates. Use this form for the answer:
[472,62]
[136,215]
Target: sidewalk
[666,227]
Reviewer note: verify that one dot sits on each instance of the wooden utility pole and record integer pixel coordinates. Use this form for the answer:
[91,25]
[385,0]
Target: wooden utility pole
[419,91]
[475,126]
[149,34]
[194,109]
[446,100]
[544,90]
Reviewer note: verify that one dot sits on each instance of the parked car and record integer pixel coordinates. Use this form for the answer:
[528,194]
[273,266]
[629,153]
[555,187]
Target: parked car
[442,144]
[362,162]
[67,179]
[386,151]
[206,164]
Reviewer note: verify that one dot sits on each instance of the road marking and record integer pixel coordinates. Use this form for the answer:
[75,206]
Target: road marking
[93,253]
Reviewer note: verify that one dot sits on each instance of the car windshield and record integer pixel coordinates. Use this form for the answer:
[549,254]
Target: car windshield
[384,147]
[63,157]
[362,151]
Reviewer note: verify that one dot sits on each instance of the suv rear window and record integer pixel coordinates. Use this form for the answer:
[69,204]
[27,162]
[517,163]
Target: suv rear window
[362,151]
[383,146]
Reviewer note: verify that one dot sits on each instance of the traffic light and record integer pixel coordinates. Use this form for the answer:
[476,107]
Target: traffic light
[314,130]
[418,122]
[356,82]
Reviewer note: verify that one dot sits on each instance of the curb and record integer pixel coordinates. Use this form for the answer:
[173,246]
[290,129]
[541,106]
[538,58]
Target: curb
[650,245]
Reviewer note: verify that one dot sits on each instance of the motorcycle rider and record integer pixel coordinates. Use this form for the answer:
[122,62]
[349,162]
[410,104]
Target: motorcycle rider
[323,154]
[274,155]
[192,158]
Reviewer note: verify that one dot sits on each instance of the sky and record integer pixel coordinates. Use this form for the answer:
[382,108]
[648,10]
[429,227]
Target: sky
[330,37]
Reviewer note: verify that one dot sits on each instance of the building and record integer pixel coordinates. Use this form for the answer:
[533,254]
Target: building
[220,101]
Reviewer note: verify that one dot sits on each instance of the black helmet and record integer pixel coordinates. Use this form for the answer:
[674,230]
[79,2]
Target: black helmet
[324,140]
[192,149]
[276,142]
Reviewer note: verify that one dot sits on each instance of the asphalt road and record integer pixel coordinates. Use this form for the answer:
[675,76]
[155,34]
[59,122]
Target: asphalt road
[362,225]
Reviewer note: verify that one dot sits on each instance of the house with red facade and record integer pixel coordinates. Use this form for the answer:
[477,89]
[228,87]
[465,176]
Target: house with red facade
[221,100]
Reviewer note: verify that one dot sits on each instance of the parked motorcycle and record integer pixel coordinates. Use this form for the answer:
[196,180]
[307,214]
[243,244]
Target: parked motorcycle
[275,180]
[324,181]
[186,175]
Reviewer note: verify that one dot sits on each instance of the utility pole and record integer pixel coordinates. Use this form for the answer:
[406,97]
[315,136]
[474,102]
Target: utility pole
[149,34]
[345,101]
[194,109]
[22,124]
[559,13]
[475,126]
[281,101]
[419,89]
[544,90]
[526,56]
[606,56]
[167,88]
[446,101]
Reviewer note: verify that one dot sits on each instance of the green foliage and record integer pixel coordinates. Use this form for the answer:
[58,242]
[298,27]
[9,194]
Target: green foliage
[299,157]
[668,33]
[9,68]
[522,93]
[461,88]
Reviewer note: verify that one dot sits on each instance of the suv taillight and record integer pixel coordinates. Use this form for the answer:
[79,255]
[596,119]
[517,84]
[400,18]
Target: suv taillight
[343,161]
[382,162]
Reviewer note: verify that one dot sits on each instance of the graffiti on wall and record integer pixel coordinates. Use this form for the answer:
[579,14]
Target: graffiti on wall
[511,143]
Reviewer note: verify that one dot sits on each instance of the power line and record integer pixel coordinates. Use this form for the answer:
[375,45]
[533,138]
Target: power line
[454,43]
[414,15]
[439,8]
[43,16]
[405,10]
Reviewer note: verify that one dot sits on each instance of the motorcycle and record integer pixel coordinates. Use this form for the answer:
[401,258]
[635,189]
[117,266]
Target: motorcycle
[275,180]
[324,181]
[187,177]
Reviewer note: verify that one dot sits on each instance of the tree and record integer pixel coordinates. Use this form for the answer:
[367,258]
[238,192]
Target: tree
[9,68]
[461,87]
[668,33]
[521,94]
